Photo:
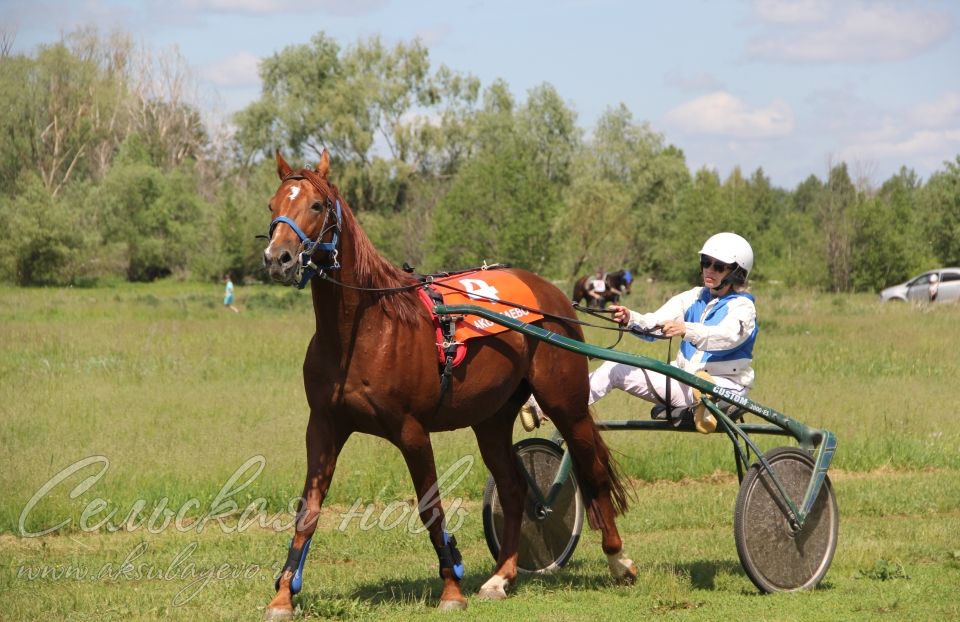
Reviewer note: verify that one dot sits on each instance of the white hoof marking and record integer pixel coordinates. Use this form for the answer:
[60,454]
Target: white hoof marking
[620,565]
[494,589]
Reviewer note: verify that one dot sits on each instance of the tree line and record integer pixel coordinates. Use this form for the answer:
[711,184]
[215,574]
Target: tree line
[108,171]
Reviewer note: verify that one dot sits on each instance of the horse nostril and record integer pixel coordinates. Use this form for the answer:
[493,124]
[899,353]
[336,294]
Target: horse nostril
[285,258]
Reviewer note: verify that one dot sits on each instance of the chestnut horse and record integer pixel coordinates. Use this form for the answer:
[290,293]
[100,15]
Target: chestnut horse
[372,367]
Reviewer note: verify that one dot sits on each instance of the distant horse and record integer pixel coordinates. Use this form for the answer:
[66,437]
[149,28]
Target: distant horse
[372,367]
[614,282]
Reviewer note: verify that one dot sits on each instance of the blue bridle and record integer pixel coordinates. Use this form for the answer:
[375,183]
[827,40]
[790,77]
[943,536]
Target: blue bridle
[307,269]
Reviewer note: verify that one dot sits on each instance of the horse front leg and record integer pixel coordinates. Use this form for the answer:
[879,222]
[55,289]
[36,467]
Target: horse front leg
[323,447]
[414,443]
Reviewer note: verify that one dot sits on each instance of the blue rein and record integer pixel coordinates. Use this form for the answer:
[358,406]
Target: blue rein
[307,269]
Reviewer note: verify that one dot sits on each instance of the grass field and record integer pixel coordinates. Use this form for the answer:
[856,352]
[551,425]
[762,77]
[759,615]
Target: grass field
[150,399]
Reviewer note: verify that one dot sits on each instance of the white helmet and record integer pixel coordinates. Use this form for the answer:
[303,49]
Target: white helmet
[731,248]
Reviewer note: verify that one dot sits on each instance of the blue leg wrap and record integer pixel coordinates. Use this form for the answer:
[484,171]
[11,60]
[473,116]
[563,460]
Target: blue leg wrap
[449,556]
[295,560]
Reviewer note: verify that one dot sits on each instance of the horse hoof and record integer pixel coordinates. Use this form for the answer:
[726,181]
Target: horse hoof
[452,605]
[275,613]
[629,577]
[492,593]
[622,568]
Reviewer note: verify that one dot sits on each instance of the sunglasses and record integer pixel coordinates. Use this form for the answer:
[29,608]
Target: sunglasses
[718,266]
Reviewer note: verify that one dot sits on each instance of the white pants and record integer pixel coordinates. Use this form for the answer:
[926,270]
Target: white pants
[650,385]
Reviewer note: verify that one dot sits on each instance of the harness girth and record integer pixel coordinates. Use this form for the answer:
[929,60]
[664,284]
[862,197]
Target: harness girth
[448,328]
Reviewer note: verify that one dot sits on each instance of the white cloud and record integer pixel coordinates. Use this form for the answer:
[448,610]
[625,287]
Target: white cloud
[921,136]
[838,111]
[333,7]
[63,16]
[925,145]
[721,113]
[436,35]
[853,32]
[240,6]
[237,70]
[697,82]
[792,11]
[943,113]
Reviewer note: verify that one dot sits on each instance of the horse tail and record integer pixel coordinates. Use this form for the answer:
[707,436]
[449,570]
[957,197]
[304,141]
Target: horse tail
[619,494]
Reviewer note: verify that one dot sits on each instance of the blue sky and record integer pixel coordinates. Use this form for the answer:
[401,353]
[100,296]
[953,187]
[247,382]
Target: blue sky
[791,86]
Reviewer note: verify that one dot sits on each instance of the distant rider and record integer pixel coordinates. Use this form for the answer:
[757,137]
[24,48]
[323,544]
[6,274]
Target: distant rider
[596,288]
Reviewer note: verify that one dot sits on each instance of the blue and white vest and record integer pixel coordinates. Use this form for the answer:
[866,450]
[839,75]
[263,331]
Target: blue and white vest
[694,313]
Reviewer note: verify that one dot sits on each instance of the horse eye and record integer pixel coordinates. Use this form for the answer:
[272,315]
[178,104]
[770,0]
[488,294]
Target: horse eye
[317,206]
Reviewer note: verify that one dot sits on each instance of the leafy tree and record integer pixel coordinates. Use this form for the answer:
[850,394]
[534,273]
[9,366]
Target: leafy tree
[497,209]
[702,203]
[50,240]
[15,117]
[64,109]
[761,213]
[631,157]
[157,218]
[805,196]
[590,228]
[901,198]
[834,205]
[160,112]
[879,250]
[448,140]
[940,202]
[549,128]
[241,214]
[404,236]
[357,103]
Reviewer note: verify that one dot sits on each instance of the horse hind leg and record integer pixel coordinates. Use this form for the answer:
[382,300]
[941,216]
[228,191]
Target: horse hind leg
[323,448]
[494,438]
[600,482]
[414,443]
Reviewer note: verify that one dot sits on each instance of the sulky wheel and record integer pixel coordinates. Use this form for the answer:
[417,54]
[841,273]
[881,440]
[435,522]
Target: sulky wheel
[548,536]
[775,557]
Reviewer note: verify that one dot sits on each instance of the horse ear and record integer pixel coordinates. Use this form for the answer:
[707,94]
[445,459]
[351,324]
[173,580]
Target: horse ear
[283,169]
[323,166]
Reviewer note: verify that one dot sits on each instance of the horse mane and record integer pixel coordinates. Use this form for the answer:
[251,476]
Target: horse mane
[370,268]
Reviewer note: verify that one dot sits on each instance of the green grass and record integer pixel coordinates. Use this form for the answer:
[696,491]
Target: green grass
[897,559]
[177,394]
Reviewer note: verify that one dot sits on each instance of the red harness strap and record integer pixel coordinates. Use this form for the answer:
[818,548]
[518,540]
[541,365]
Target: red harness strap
[441,339]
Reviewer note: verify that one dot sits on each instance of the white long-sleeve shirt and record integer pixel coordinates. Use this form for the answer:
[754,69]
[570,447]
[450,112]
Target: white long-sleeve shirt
[734,329]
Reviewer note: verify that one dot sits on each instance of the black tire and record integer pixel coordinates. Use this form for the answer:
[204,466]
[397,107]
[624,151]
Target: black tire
[547,540]
[774,557]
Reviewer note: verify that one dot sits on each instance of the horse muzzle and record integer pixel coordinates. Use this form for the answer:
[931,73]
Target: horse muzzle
[281,265]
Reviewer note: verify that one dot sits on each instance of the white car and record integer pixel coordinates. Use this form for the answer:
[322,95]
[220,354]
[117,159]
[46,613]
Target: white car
[918,289]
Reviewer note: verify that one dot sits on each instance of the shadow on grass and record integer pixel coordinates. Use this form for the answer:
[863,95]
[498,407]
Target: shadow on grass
[703,573]
[365,598]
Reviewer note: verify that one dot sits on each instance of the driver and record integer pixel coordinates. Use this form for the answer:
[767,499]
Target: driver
[716,322]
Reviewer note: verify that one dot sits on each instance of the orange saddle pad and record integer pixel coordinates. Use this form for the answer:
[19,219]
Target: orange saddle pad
[483,288]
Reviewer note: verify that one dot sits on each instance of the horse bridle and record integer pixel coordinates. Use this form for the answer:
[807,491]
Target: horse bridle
[306,268]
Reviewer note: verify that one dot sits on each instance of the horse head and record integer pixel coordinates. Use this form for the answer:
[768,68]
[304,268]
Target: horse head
[621,279]
[307,222]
